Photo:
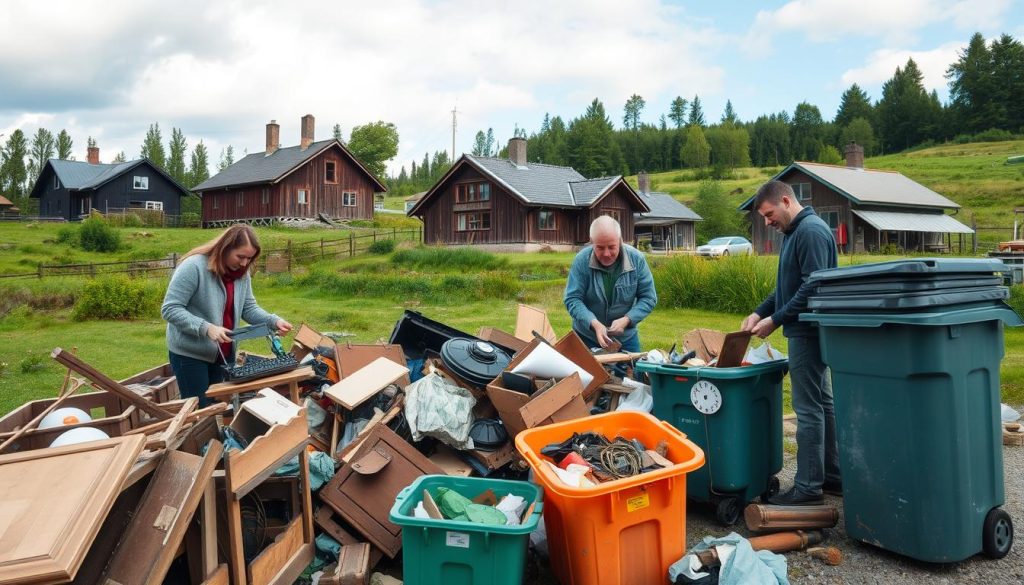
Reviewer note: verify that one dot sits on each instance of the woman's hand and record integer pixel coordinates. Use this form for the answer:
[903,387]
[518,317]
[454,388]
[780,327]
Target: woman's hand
[218,334]
[283,327]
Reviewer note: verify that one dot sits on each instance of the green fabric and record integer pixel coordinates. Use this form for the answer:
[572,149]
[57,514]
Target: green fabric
[455,506]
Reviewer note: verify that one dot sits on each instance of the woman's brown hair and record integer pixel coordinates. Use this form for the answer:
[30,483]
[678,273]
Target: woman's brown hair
[217,249]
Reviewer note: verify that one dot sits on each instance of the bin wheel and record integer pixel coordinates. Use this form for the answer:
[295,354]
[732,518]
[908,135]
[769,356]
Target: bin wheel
[728,512]
[773,489]
[997,534]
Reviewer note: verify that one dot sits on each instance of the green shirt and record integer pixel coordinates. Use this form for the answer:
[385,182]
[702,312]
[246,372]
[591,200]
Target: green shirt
[611,274]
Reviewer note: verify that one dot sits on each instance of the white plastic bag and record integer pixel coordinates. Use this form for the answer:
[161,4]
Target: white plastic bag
[640,399]
[1008,414]
[763,353]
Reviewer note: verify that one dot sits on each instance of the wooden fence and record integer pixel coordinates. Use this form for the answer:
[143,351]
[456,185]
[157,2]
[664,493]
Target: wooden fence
[271,260]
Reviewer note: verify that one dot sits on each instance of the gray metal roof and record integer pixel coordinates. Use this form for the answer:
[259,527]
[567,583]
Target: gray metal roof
[664,207]
[260,168]
[913,222]
[82,175]
[587,191]
[534,183]
[869,186]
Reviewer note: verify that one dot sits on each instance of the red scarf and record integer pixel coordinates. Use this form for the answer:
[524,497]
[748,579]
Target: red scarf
[229,279]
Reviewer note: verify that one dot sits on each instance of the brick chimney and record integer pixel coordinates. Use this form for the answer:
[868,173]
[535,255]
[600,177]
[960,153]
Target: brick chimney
[93,155]
[517,151]
[854,155]
[273,137]
[307,131]
[643,181]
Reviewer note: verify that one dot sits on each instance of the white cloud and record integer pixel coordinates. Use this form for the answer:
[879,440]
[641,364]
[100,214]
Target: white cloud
[882,64]
[222,70]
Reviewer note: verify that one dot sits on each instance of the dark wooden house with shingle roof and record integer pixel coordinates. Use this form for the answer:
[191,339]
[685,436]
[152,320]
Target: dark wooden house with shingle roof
[283,184]
[483,200]
[70,189]
[867,209]
[669,225]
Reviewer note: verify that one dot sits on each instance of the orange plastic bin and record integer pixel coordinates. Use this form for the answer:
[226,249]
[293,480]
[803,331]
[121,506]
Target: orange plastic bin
[620,532]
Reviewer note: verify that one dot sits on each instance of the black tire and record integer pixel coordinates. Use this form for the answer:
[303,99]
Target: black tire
[728,511]
[773,489]
[997,534]
[725,253]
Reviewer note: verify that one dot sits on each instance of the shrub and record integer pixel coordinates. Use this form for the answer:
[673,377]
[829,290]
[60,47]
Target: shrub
[97,236]
[382,247]
[33,362]
[734,285]
[1016,299]
[890,249]
[116,297]
[67,235]
[453,259]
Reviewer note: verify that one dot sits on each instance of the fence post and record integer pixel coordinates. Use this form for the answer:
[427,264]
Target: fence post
[374,235]
[321,248]
[288,255]
[39,270]
[394,234]
[92,270]
[351,246]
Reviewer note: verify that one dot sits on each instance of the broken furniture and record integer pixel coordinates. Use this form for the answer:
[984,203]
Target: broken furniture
[287,382]
[160,382]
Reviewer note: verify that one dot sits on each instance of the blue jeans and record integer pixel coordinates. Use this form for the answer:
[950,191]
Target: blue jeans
[817,451]
[195,376]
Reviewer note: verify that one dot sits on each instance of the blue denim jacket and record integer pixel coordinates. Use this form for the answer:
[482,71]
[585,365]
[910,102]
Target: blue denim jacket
[634,295]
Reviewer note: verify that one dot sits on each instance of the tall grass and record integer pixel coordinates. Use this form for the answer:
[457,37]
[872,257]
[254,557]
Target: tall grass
[436,288]
[732,285]
[447,259]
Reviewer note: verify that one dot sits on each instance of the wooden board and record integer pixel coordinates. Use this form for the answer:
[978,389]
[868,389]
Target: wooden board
[352,358]
[246,468]
[530,319]
[72,362]
[360,386]
[363,495]
[52,503]
[226,390]
[733,349]
[218,577]
[160,522]
[325,520]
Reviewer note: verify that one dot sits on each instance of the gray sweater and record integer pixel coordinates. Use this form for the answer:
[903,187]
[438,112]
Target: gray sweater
[195,298]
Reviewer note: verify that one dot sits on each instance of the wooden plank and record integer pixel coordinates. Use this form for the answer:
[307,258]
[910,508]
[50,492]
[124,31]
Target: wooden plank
[54,501]
[158,527]
[174,425]
[272,559]
[213,410]
[352,358]
[255,462]
[325,520]
[72,362]
[224,391]
[352,391]
[218,577]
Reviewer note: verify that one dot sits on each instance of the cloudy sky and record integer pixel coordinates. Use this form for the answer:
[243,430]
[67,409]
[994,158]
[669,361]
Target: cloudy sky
[220,70]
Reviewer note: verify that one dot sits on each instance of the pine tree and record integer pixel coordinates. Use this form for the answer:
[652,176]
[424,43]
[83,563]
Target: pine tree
[1008,90]
[120,158]
[199,169]
[489,143]
[227,158]
[64,146]
[90,142]
[336,133]
[729,115]
[906,113]
[480,144]
[696,113]
[153,146]
[807,132]
[677,112]
[855,103]
[40,152]
[176,163]
[13,172]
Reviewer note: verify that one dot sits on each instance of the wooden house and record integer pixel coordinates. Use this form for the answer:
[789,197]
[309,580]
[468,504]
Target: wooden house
[867,209]
[7,209]
[70,189]
[669,225]
[494,201]
[285,184]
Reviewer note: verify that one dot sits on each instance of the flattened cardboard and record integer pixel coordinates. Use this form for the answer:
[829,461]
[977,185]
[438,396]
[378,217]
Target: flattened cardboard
[563,401]
[365,500]
[502,338]
[530,319]
[572,347]
[447,460]
[352,358]
[710,344]
[352,391]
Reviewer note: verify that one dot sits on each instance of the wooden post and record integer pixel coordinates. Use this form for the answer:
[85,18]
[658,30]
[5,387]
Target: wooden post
[321,248]
[394,234]
[288,255]
[351,246]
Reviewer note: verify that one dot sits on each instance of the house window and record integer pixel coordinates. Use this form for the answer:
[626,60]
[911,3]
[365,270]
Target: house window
[330,168]
[140,183]
[348,199]
[802,191]
[832,219]
[265,196]
[303,196]
[240,199]
[465,222]
[85,205]
[56,182]
[216,202]
[615,214]
[155,205]
[546,220]
[470,192]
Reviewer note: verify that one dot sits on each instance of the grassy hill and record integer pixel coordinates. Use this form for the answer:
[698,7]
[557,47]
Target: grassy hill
[974,175]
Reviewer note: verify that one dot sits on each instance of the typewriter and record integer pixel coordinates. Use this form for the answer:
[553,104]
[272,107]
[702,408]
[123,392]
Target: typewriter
[256,366]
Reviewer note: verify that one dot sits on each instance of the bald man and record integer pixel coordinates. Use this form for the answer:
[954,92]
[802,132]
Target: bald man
[610,288]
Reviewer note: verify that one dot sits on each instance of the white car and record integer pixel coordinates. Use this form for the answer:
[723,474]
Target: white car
[727,246]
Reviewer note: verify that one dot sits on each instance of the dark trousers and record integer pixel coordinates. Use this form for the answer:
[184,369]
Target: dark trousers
[195,376]
[817,452]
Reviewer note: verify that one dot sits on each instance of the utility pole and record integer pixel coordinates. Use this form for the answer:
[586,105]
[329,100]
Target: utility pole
[454,125]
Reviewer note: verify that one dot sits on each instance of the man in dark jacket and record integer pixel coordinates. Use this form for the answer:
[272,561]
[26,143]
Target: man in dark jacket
[807,245]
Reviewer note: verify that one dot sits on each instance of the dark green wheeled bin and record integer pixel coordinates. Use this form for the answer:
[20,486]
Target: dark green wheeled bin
[917,413]
[735,416]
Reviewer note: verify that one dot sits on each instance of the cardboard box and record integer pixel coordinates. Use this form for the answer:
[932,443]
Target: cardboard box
[502,338]
[563,401]
[573,348]
[530,319]
[710,344]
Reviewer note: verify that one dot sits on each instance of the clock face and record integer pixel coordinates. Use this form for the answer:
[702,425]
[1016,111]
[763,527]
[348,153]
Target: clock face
[706,397]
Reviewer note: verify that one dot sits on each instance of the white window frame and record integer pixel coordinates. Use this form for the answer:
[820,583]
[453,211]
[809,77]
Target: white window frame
[56,181]
[302,196]
[802,191]
[140,183]
[349,199]
[155,205]
[462,222]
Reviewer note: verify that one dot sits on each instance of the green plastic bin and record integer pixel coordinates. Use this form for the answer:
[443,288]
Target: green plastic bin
[463,553]
[741,438]
[918,424]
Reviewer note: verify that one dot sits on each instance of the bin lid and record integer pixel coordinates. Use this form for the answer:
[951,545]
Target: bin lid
[899,285]
[956,315]
[477,362]
[907,300]
[915,268]
[711,372]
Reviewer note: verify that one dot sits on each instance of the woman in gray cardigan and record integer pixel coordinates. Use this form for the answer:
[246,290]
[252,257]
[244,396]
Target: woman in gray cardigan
[209,294]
